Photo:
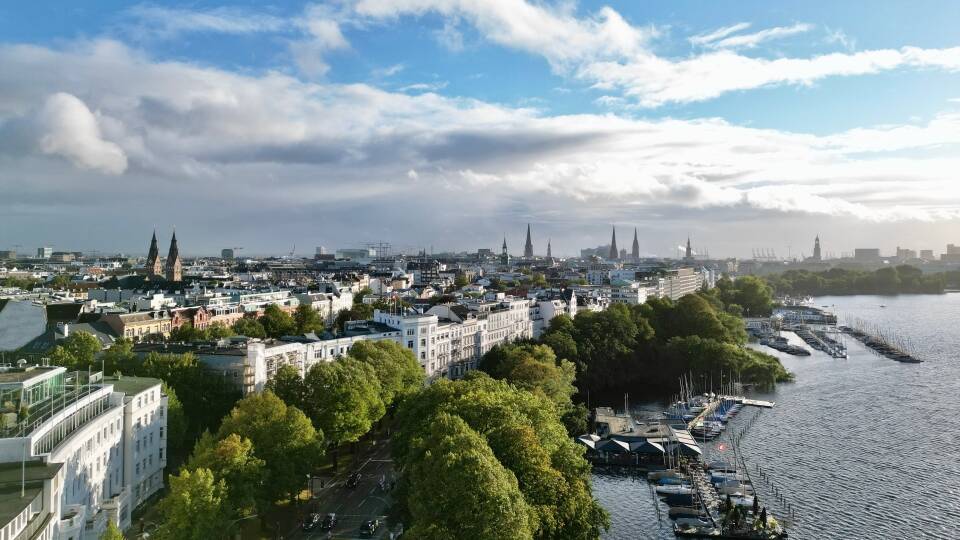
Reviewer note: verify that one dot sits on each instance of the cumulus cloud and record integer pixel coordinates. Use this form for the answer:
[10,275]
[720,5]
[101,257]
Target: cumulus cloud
[70,130]
[277,143]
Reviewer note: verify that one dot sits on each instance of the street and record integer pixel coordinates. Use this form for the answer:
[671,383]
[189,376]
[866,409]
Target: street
[353,506]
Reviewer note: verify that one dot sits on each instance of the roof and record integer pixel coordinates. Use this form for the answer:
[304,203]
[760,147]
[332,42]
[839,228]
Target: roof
[15,376]
[35,472]
[64,312]
[131,386]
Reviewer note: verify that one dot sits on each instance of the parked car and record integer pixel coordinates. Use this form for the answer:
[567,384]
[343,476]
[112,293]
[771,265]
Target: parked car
[311,521]
[353,480]
[369,528]
[329,521]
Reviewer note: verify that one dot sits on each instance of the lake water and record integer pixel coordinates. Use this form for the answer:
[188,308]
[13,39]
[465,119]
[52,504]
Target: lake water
[863,447]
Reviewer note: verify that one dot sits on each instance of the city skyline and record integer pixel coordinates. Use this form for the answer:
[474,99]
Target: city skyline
[443,123]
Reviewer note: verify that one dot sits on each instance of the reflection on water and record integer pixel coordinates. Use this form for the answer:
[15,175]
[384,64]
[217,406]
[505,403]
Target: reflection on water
[861,448]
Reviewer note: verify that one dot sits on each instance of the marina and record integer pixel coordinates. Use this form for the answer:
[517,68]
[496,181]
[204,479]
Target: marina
[883,342]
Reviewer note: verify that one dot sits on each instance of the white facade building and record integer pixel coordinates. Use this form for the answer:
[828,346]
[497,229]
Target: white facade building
[105,437]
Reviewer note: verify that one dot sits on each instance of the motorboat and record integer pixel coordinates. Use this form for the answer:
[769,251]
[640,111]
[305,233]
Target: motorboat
[674,490]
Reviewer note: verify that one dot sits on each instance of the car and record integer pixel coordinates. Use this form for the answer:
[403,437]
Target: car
[329,521]
[353,480]
[311,521]
[369,528]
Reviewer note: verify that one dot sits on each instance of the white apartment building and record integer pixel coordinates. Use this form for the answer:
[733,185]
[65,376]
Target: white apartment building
[632,294]
[677,283]
[95,447]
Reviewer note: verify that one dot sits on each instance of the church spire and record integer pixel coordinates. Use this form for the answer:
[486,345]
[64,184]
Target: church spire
[614,252]
[154,269]
[528,246]
[174,265]
[689,253]
[635,250]
[549,251]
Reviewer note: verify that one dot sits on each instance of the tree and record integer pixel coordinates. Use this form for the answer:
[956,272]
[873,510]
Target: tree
[396,368]
[232,459]
[524,432]
[458,489]
[460,281]
[282,437]
[218,331]
[120,357]
[60,281]
[538,280]
[276,322]
[288,385]
[112,532]
[344,399]
[186,333]
[535,368]
[177,442]
[195,507]
[76,352]
[249,327]
[307,319]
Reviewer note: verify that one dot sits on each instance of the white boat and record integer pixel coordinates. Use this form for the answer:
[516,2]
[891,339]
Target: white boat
[693,522]
[675,490]
[657,475]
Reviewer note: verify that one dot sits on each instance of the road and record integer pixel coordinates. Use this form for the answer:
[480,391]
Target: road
[353,506]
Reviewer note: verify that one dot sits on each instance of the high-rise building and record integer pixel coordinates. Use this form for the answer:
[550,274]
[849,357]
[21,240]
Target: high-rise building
[614,252]
[926,254]
[528,246]
[226,253]
[44,252]
[816,249]
[154,268]
[635,250]
[174,266]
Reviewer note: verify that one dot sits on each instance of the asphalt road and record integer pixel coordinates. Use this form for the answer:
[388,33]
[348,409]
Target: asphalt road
[353,506]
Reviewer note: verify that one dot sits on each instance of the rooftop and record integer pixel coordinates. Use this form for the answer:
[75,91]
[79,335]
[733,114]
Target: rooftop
[18,375]
[11,503]
[131,385]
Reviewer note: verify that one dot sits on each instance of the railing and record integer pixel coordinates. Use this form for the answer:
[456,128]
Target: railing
[46,410]
[35,525]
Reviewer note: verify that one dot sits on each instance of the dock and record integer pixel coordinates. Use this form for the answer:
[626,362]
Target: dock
[893,347]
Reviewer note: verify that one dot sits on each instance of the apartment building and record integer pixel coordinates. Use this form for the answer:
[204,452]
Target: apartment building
[95,448]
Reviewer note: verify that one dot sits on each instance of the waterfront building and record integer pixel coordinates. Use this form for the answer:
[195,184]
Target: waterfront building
[677,283]
[95,449]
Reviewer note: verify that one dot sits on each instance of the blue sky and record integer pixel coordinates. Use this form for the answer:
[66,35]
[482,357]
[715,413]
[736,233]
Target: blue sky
[447,122]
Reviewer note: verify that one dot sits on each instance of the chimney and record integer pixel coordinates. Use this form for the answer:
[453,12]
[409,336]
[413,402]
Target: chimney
[63,328]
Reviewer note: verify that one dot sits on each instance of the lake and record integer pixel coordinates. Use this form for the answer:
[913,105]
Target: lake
[861,447]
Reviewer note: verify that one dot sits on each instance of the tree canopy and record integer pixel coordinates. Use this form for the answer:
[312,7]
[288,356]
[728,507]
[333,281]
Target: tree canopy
[196,507]
[307,320]
[395,366]
[276,322]
[343,399]
[76,352]
[249,327]
[523,432]
[840,281]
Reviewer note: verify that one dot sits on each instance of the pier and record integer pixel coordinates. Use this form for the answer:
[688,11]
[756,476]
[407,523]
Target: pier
[883,343]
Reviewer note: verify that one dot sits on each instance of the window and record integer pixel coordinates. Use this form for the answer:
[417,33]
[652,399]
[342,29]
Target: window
[410,344]
[161,432]
[423,342]
[138,472]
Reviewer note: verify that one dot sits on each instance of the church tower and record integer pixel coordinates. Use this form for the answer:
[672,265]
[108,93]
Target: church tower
[549,250]
[614,252]
[816,249]
[154,268]
[174,265]
[689,253]
[635,250]
[528,246]
[504,256]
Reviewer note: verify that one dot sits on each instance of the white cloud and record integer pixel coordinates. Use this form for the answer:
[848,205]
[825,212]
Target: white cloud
[70,130]
[170,22]
[718,34]
[749,41]
[279,144]
[610,53]
[388,71]
[424,87]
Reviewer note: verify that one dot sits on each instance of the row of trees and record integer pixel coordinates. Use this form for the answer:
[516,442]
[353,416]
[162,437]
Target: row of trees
[484,458]
[648,346]
[268,444]
[838,281]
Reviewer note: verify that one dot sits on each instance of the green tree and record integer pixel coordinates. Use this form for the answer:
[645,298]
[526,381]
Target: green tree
[535,368]
[60,281]
[177,441]
[282,437]
[112,532]
[218,331]
[195,508]
[249,327]
[186,333]
[460,281]
[276,322]
[233,460]
[288,385]
[307,319]
[120,357]
[344,399]
[396,368]
[458,489]
[76,352]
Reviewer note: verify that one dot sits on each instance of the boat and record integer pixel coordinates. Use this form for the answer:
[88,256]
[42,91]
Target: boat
[693,522]
[684,511]
[674,490]
[656,475]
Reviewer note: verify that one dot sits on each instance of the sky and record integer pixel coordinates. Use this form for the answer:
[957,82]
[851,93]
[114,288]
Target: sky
[447,124]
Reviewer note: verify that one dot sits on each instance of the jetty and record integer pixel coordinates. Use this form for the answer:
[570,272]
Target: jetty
[883,342]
